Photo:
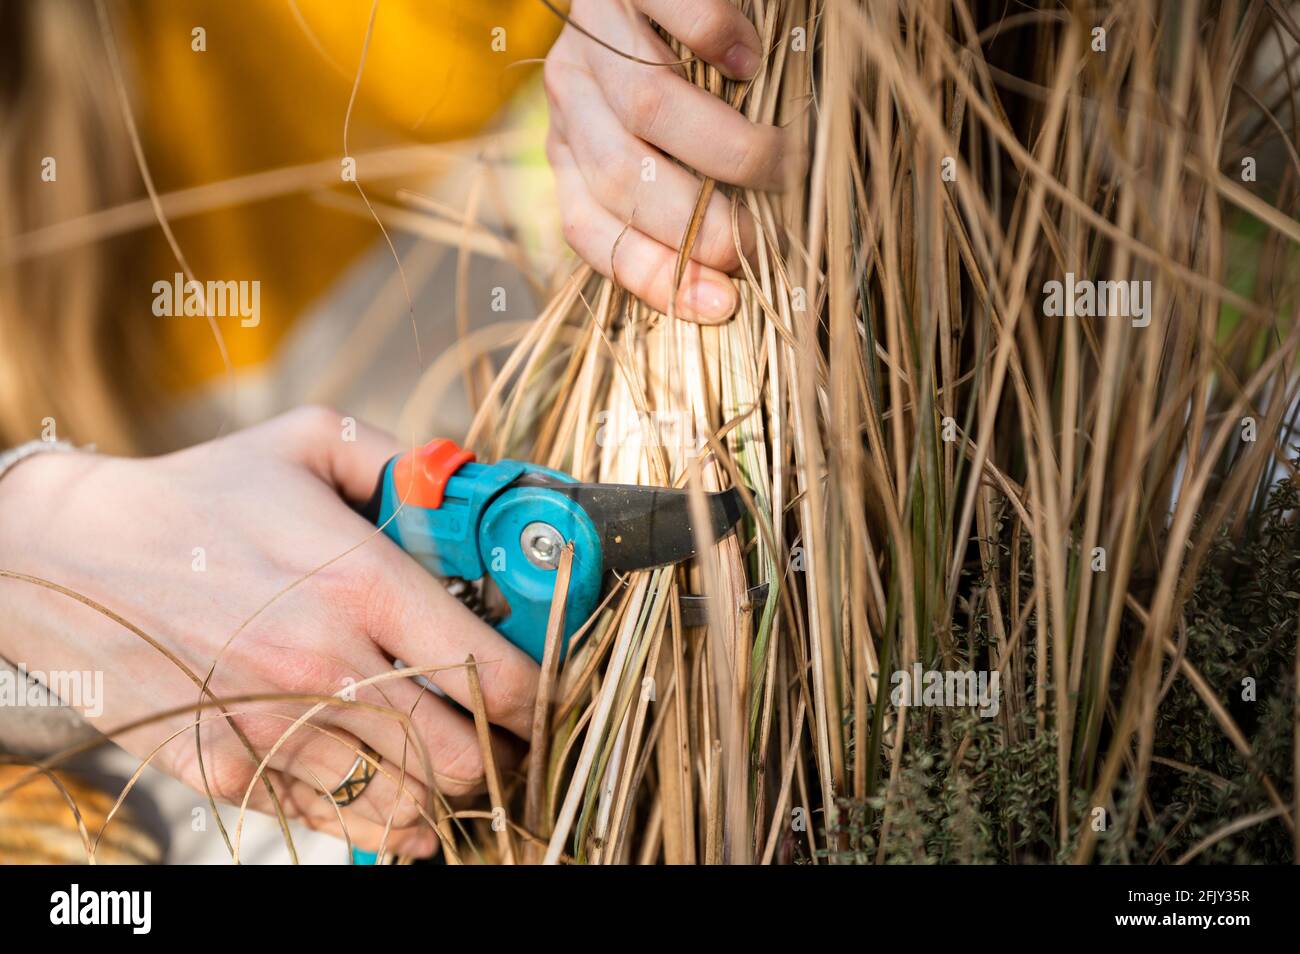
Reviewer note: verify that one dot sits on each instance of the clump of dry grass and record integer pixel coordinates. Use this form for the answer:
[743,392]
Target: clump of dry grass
[937,472]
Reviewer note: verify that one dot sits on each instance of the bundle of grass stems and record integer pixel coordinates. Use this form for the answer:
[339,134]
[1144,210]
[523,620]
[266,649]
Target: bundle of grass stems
[936,472]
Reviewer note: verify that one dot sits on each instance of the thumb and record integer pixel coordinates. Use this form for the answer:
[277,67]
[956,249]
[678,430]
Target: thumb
[342,451]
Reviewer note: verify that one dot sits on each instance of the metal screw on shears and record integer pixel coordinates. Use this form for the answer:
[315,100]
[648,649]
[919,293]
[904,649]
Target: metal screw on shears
[542,544]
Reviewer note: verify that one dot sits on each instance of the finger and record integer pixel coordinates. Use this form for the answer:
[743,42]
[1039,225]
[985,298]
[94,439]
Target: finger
[327,755]
[461,758]
[699,129]
[663,194]
[640,264]
[346,453]
[419,841]
[687,122]
[436,729]
[302,802]
[231,780]
[714,30]
[404,723]
[418,621]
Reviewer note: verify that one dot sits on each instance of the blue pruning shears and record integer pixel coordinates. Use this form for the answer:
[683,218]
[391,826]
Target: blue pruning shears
[509,521]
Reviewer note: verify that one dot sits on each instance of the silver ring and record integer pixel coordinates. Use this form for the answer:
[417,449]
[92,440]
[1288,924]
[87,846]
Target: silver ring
[359,776]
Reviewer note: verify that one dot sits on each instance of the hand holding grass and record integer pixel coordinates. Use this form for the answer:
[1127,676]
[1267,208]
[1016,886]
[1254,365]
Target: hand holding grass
[617,123]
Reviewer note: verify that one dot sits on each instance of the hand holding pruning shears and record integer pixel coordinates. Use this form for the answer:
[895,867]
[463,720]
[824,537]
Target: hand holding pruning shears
[296,594]
[262,507]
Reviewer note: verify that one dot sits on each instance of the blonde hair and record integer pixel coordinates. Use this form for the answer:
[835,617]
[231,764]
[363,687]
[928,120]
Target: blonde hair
[61,357]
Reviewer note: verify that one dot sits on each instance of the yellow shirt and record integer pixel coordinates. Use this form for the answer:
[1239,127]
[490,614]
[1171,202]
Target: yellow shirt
[265,85]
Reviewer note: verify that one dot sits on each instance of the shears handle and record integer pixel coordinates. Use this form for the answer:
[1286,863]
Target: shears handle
[462,519]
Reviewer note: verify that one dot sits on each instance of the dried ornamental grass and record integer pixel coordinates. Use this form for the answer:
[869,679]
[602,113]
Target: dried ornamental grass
[939,470]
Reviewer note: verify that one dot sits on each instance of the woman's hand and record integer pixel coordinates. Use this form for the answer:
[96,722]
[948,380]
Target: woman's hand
[190,546]
[615,122]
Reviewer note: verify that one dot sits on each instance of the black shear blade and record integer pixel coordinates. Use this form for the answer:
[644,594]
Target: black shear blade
[644,527]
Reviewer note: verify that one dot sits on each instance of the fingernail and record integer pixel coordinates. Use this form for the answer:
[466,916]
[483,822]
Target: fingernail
[707,301]
[741,61]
